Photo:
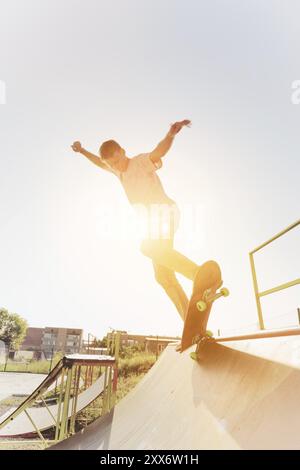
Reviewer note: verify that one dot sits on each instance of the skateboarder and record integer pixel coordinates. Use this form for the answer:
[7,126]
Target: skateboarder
[143,188]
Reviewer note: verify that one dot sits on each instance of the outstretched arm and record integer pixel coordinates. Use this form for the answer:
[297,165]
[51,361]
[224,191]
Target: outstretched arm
[93,158]
[164,146]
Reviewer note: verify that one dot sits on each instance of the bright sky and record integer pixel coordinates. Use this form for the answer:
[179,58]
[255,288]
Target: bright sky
[126,69]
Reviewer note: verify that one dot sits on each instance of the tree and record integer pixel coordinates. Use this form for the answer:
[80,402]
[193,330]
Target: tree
[12,328]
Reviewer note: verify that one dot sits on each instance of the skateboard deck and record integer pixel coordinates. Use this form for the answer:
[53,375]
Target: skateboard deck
[208,281]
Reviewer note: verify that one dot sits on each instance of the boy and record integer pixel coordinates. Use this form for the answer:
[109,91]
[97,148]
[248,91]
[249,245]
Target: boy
[144,189]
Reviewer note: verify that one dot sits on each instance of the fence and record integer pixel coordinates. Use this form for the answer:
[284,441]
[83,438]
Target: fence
[258,293]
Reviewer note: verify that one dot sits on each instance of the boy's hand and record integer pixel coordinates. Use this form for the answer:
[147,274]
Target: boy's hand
[177,126]
[76,146]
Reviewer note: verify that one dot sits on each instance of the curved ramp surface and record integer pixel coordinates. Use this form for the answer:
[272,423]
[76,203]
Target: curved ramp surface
[21,426]
[16,423]
[241,395]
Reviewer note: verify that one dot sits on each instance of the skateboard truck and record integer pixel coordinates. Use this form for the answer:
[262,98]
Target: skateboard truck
[208,298]
[200,340]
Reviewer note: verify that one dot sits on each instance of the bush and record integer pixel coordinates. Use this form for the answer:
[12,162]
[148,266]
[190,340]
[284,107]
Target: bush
[129,351]
[138,364]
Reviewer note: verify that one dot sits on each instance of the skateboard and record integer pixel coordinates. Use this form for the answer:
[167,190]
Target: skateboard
[205,292]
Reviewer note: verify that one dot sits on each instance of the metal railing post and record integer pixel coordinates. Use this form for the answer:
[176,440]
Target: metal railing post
[64,419]
[58,419]
[256,291]
[105,393]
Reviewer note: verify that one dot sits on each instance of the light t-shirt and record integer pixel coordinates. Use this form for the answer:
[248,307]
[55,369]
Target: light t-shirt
[141,183]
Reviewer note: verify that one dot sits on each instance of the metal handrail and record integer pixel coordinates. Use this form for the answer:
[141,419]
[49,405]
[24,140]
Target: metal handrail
[260,335]
[259,294]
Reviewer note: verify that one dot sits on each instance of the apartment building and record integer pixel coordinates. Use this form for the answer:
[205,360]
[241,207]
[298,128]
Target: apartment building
[52,339]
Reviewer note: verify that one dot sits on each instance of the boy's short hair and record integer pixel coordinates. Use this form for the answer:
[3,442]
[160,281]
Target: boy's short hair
[108,148]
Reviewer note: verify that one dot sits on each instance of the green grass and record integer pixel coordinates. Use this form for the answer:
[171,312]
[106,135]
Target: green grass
[138,364]
[38,367]
[34,367]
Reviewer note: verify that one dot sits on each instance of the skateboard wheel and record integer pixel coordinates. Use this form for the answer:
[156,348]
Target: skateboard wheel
[194,356]
[225,292]
[201,306]
[209,333]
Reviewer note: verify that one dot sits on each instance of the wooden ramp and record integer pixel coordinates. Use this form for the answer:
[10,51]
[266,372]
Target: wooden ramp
[242,395]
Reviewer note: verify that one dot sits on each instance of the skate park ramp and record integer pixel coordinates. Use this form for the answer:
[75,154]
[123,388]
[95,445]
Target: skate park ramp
[240,395]
[21,426]
[18,423]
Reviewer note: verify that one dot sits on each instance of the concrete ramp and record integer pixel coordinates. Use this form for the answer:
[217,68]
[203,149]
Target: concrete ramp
[242,395]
